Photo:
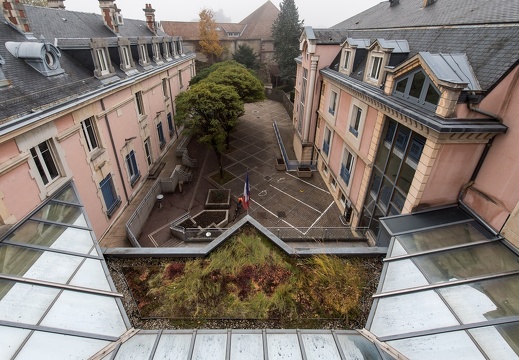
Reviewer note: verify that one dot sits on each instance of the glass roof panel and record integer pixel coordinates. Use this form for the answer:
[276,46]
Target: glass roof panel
[61,213]
[498,342]
[453,345]
[397,249]
[86,312]
[485,259]
[394,279]
[283,347]
[173,346]
[68,195]
[15,307]
[407,313]
[36,264]
[10,340]
[417,221]
[320,346]
[247,346]
[441,237]
[137,347]
[484,300]
[53,236]
[91,275]
[357,347]
[48,346]
[210,346]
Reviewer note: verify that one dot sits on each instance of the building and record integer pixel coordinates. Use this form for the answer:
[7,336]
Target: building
[410,105]
[253,31]
[84,97]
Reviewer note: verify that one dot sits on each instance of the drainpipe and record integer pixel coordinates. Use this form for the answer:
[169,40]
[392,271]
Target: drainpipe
[115,151]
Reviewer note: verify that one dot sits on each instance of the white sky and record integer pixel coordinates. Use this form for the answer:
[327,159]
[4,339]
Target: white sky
[318,14]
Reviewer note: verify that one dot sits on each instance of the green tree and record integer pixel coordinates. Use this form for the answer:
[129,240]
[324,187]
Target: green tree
[209,42]
[205,110]
[245,55]
[285,33]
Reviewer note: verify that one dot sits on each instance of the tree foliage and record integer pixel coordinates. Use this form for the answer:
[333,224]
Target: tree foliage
[285,33]
[209,42]
[247,85]
[245,55]
[206,110]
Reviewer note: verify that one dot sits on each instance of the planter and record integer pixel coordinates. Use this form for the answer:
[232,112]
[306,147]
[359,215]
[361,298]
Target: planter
[280,164]
[304,172]
[218,199]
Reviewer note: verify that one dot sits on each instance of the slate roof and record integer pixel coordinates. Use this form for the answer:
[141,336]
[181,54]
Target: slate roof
[29,90]
[259,23]
[483,30]
[410,13]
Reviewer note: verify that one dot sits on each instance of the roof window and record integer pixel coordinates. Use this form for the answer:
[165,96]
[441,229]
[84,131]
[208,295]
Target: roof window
[42,57]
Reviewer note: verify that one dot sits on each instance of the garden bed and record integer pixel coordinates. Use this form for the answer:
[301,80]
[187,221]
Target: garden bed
[250,280]
[218,199]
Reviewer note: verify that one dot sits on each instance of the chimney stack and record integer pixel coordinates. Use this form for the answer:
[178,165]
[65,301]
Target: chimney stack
[56,4]
[149,12]
[108,12]
[393,3]
[14,12]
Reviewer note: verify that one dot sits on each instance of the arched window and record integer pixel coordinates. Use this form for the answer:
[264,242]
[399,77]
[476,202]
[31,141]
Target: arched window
[417,88]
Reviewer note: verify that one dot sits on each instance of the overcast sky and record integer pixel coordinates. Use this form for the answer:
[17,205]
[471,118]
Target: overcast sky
[318,14]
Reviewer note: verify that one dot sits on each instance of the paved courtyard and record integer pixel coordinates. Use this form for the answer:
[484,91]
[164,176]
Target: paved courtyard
[280,200]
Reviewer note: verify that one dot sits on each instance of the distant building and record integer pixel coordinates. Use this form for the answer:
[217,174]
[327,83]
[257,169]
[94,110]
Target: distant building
[254,31]
[402,112]
[85,98]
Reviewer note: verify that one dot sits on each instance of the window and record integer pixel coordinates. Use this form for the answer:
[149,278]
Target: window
[45,162]
[90,134]
[101,59]
[333,183]
[180,79]
[133,170]
[160,133]
[346,166]
[144,53]
[303,88]
[333,102]
[147,149]
[165,87]
[140,105]
[170,124]
[346,59]
[156,51]
[126,57]
[167,53]
[109,195]
[326,141]
[417,88]
[376,64]
[355,120]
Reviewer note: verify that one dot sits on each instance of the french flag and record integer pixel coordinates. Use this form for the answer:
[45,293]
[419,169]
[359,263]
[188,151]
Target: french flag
[246,192]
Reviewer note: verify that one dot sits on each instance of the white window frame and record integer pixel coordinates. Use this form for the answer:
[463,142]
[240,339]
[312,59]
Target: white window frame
[133,168]
[334,100]
[140,103]
[347,167]
[346,61]
[147,151]
[39,158]
[144,53]
[165,88]
[125,51]
[328,133]
[104,69]
[375,67]
[90,133]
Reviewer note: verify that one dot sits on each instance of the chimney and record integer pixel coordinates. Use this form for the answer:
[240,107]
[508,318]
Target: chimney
[108,12]
[56,4]
[393,3]
[14,12]
[149,12]
[428,2]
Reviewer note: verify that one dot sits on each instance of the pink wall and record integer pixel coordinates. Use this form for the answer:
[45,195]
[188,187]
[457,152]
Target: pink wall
[343,111]
[497,190]
[452,169]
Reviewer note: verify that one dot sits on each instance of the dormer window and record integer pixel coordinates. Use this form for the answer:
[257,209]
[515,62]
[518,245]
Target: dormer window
[376,64]
[3,80]
[144,53]
[42,57]
[166,50]
[346,59]
[126,57]
[417,88]
[102,63]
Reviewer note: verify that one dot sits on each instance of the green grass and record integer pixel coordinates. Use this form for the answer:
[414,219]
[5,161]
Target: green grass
[250,278]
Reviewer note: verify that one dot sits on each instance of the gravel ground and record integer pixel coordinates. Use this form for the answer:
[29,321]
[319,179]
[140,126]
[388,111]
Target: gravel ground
[373,268]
